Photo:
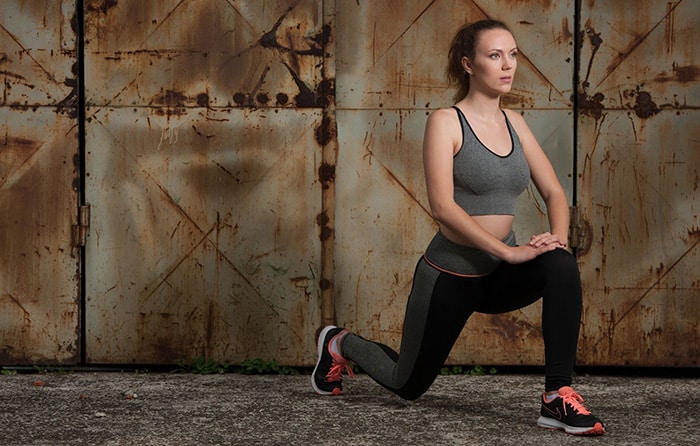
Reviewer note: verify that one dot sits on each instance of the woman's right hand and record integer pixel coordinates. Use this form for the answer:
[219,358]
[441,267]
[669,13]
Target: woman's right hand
[525,253]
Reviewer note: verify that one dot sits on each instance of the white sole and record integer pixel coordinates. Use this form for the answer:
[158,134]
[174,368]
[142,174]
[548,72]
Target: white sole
[321,338]
[550,423]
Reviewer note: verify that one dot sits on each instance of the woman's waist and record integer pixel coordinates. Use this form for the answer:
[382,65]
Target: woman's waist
[499,226]
[454,258]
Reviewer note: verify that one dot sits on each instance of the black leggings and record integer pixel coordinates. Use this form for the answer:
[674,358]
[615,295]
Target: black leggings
[440,304]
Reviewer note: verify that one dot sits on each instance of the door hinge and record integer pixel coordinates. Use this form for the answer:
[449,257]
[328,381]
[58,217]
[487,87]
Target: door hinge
[80,230]
[580,233]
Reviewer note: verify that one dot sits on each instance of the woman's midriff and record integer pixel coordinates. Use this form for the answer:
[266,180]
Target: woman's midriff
[497,225]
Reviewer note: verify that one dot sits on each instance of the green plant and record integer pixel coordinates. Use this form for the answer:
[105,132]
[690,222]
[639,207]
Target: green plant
[257,366]
[202,366]
[56,370]
[477,370]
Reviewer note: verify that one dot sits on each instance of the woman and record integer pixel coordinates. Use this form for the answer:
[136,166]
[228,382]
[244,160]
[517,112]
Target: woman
[478,159]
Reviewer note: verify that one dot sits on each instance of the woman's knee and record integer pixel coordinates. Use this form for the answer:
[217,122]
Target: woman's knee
[559,261]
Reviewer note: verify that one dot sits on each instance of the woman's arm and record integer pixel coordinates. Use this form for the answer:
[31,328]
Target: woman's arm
[546,182]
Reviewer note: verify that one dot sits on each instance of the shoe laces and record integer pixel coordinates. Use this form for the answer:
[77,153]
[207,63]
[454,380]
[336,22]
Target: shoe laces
[572,398]
[339,363]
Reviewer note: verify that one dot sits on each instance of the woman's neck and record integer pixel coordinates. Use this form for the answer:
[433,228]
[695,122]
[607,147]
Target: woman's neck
[482,106]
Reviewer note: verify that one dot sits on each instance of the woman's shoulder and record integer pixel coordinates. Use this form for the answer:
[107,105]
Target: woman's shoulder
[513,116]
[443,116]
[517,121]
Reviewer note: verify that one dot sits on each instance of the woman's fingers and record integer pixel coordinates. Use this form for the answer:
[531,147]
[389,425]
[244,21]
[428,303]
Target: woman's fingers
[545,238]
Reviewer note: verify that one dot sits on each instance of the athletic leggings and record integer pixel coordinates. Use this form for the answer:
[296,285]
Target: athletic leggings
[440,304]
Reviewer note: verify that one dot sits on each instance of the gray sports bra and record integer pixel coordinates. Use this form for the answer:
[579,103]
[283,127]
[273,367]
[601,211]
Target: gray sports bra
[484,184]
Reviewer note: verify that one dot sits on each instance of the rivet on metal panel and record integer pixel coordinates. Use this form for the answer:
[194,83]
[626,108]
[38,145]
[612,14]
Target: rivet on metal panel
[326,173]
[645,107]
[322,220]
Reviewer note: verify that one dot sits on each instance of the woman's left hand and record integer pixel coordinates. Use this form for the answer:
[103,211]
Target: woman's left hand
[545,239]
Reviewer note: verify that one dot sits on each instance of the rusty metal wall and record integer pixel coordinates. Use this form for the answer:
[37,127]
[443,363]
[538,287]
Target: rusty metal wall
[390,76]
[206,131]
[638,159]
[39,270]
[253,171]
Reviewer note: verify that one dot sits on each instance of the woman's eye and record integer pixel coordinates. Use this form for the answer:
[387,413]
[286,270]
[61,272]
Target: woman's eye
[494,56]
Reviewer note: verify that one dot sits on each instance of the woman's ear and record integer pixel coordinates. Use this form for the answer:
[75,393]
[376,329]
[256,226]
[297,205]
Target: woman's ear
[467,65]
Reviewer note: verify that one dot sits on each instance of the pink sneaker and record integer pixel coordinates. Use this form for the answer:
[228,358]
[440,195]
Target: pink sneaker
[567,412]
[327,377]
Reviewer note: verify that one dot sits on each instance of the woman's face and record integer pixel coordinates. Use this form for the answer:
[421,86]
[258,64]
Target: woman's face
[495,60]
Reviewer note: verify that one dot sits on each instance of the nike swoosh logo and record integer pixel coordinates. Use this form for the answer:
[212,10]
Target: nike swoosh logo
[554,414]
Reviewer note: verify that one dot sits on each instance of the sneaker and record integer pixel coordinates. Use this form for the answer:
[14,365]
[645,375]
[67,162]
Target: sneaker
[566,412]
[327,378]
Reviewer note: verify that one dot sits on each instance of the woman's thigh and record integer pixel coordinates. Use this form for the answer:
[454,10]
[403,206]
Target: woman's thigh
[514,286]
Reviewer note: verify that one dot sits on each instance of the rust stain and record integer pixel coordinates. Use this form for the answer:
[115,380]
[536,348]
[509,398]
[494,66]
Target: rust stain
[684,74]
[305,97]
[101,6]
[591,105]
[326,92]
[203,100]
[282,99]
[326,131]
[639,38]
[165,19]
[596,42]
[566,33]
[400,36]
[17,154]
[511,100]
[655,285]
[688,73]
[326,173]
[669,33]
[28,52]
[242,99]
[69,104]
[322,221]
[170,103]
[27,314]
[645,107]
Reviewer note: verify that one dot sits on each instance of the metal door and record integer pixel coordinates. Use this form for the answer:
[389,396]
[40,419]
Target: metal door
[253,170]
[205,126]
[638,160]
[39,183]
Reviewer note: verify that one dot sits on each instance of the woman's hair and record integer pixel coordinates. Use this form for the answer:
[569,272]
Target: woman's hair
[464,44]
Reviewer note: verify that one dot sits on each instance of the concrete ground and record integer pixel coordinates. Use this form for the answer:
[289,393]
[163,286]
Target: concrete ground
[130,408]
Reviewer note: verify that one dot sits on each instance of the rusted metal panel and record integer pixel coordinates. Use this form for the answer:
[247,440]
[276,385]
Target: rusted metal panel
[38,53]
[638,178]
[392,54]
[203,239]
[206,54]
[390,76]
[39,273]
[382,219]
[204,161]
